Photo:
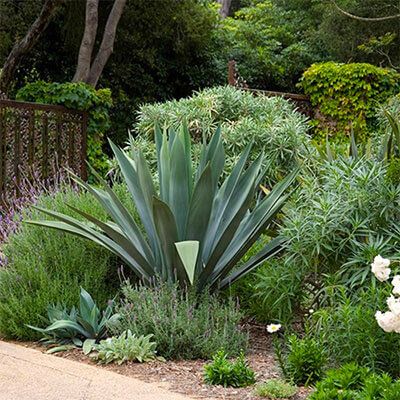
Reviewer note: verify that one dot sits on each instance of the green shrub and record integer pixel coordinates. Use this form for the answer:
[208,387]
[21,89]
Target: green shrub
[275,389]
[272,123]
[47,267]
[78,96]
[346,94]
[349,332]
[227,373]
[344,214]
[126,347]
[305,360]
[351,382]
[184,325]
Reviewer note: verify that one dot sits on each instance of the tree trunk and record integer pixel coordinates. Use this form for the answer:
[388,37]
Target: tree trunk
[20,49]
[107,44]
[88,40]
[225,7]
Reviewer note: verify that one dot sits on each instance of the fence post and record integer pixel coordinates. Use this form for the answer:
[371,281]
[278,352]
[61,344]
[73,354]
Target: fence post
[232,73]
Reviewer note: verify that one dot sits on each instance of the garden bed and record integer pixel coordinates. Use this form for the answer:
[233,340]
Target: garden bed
[186,377]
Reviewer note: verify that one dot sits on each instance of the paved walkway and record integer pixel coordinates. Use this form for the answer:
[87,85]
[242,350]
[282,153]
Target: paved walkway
[27,374]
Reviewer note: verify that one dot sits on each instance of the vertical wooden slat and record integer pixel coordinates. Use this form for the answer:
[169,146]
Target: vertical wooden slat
[31,136]
[58,138]
[84,146]
[2,149]
[71,148]
[45,146]
[17,148]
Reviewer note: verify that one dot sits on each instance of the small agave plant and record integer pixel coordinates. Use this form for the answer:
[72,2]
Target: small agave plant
[196,228]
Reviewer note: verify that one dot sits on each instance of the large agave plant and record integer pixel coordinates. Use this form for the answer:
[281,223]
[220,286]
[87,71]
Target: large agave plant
[195,228]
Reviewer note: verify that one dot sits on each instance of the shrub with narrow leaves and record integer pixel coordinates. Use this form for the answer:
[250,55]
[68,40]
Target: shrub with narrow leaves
[229,373]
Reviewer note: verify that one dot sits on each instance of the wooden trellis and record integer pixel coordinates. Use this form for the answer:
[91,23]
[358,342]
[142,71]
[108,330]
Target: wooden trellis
[40,138]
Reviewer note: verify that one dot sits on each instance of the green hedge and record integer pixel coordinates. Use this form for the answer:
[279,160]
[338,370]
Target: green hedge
[78,96]
[346,94]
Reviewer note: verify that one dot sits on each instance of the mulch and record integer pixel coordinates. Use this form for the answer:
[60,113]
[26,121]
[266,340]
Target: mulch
[186,377]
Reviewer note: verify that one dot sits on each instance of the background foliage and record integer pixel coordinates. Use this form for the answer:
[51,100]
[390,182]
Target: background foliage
[346,95]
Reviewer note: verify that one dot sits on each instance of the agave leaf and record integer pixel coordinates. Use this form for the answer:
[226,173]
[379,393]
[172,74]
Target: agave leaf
[188,252]
[62,324]
[168,235]
[76,227]
[133,183]
[179,185]
[57,349]
[200,207]
[118,212]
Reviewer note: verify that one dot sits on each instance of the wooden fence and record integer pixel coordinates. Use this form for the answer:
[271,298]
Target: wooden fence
[40,138]
[301,101]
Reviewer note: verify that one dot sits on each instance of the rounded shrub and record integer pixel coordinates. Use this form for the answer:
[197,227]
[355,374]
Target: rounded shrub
[46,267]
[346,95]
[184,325]
[271,123]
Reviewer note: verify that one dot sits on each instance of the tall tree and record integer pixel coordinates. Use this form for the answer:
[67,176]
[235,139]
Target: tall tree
[21,48]
[86,70]
[225,7]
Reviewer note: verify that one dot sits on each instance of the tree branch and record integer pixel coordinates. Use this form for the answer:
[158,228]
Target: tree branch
[20,49]
[366,19]
[107,44]
[88,40]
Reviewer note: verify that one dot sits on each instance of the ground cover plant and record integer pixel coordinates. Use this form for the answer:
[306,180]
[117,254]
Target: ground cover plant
[184,325]
[222,371]
[275,389]
[195,229]
[126,347]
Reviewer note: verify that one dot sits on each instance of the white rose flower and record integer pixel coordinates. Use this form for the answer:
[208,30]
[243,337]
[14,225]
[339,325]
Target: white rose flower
[383,274]
[394,305]
[396,284]
[381,262]
[380,268]
[272,328]
[387,321]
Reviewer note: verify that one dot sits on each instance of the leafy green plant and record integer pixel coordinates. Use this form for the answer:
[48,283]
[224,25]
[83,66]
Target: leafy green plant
[87,323]
[126,347]
[272,123]
[275,389]
[348,331]
[78,96]
[228,373]
[195,230]
[47,267]
[305,360]
[346,95]
[184,325]
[354,382]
